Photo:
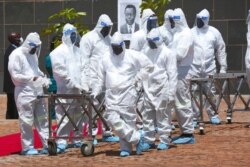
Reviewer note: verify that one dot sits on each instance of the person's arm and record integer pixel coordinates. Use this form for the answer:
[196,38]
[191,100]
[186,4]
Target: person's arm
[183,46]
[144,66]
[171,67]
[86,51]
[220,51]
[101,75]
[15,67]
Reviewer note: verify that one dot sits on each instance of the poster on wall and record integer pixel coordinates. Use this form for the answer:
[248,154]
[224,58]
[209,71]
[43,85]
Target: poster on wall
[128,17]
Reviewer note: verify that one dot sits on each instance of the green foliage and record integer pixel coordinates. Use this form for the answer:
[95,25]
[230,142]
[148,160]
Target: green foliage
[58,20]
[158,6]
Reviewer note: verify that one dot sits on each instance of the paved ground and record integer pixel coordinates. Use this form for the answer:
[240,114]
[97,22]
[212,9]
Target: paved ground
[223,145]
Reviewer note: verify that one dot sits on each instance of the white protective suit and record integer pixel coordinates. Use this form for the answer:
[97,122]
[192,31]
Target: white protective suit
[137,43]
[182,45]
[66,66]
[247,57]
[119,75]
[208,45]
[160,89]
[94,46]
[23,67]
[165,29]
[138,39]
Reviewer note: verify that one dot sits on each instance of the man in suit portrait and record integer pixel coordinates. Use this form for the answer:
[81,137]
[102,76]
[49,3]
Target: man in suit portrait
[130,26]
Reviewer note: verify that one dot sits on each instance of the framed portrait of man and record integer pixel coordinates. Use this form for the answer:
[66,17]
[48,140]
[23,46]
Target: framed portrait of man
[128,17]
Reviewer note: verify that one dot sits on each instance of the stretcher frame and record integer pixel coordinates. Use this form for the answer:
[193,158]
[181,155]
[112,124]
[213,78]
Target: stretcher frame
[87,148]
[230,82]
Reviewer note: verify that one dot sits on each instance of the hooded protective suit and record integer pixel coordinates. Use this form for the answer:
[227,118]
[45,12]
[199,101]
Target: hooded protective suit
[160,89]
[66,66]
[182,45]
[247,57]
[208,45]
[165,30]
[29,82]
[138,39]
[93,46]
[119,73]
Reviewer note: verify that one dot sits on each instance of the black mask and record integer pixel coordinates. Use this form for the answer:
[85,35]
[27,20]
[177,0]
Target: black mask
[151,44]
[73,37]
[105,31]
[172,23]
[199,23]
[78,39]
[32,51]
[152,23]
[117,49]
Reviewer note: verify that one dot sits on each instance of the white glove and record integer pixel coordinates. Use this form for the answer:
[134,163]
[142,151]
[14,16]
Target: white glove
[222,71]
[94,95]
[85,87]
[137,84]
[46,82]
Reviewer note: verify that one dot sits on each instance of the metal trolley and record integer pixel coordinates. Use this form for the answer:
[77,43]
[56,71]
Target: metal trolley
[85,101]
[225,84]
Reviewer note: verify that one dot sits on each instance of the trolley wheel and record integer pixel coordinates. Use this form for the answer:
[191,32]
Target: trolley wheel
[201,129]
[87,149]
[201,132]
[52,148]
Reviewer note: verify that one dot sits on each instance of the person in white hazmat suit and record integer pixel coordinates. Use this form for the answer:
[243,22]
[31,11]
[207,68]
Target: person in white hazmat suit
[148,21]
[66,66]
[247,56]
[165,30]
[182,45]
[119,72]
[138,41]
[29,82]
[208,45]
[94,45]
[160,89]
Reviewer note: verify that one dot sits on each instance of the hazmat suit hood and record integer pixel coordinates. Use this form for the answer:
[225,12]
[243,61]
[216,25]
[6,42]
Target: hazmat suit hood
[32,42]
[179,19]
[117,44]
[168,13]
[68,29]
[103,21]
[204,16]
[145,16]
[154,38]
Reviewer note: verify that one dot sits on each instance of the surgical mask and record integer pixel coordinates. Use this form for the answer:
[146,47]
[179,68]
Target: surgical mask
[199,22]
[152,23]
[172,23]
[117,49]
[105,31]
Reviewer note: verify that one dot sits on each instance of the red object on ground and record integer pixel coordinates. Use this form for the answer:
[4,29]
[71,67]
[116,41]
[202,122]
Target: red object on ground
[11,144]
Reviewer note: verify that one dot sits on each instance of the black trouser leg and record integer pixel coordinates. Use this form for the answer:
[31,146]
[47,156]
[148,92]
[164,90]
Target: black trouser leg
[11,107]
